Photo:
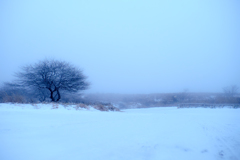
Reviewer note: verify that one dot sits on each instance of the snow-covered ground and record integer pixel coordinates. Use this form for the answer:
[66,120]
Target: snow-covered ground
[42,133]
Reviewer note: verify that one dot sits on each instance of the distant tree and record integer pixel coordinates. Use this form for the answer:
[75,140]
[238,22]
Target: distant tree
[13,93]
[52,77]
[183,96]
[230,91]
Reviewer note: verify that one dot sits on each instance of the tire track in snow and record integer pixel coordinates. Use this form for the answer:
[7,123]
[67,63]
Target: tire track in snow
[225,140]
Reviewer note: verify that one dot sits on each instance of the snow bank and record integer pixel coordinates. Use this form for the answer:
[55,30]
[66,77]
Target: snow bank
[41,133]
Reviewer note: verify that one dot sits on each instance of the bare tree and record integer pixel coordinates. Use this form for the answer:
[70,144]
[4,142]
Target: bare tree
[52,76]
[230,91]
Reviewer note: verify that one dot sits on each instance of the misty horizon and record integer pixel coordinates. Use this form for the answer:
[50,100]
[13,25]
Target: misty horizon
[135,47]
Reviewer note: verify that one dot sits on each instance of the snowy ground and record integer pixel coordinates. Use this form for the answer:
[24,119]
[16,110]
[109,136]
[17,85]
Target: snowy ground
[41,133]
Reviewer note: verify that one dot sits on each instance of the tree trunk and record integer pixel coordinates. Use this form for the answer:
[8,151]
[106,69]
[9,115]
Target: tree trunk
[55,98]
[59,96]
[51,95]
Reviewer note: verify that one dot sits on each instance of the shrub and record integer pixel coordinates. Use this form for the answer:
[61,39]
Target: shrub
[81,105]
[14,98]
[112,108]
[100,107]
[55,106]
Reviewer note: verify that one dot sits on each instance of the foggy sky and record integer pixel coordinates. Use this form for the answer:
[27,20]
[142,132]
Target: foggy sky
[127,46]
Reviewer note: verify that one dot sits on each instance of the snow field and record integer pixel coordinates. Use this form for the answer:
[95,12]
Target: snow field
[27,133]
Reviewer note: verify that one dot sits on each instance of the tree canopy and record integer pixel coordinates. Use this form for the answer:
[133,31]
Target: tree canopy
[53,76]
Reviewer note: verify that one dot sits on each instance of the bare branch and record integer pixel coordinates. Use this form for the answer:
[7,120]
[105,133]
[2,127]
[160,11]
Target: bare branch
[54,76]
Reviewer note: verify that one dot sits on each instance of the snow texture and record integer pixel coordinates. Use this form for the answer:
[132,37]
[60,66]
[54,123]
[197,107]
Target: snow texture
[56,132]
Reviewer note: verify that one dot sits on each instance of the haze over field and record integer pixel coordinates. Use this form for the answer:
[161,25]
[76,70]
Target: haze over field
[127,47]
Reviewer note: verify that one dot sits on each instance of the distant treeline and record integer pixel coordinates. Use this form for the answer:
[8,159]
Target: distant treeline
[16,94]
[163,99]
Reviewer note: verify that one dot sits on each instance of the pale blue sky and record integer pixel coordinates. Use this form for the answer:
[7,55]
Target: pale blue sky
[127,46]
